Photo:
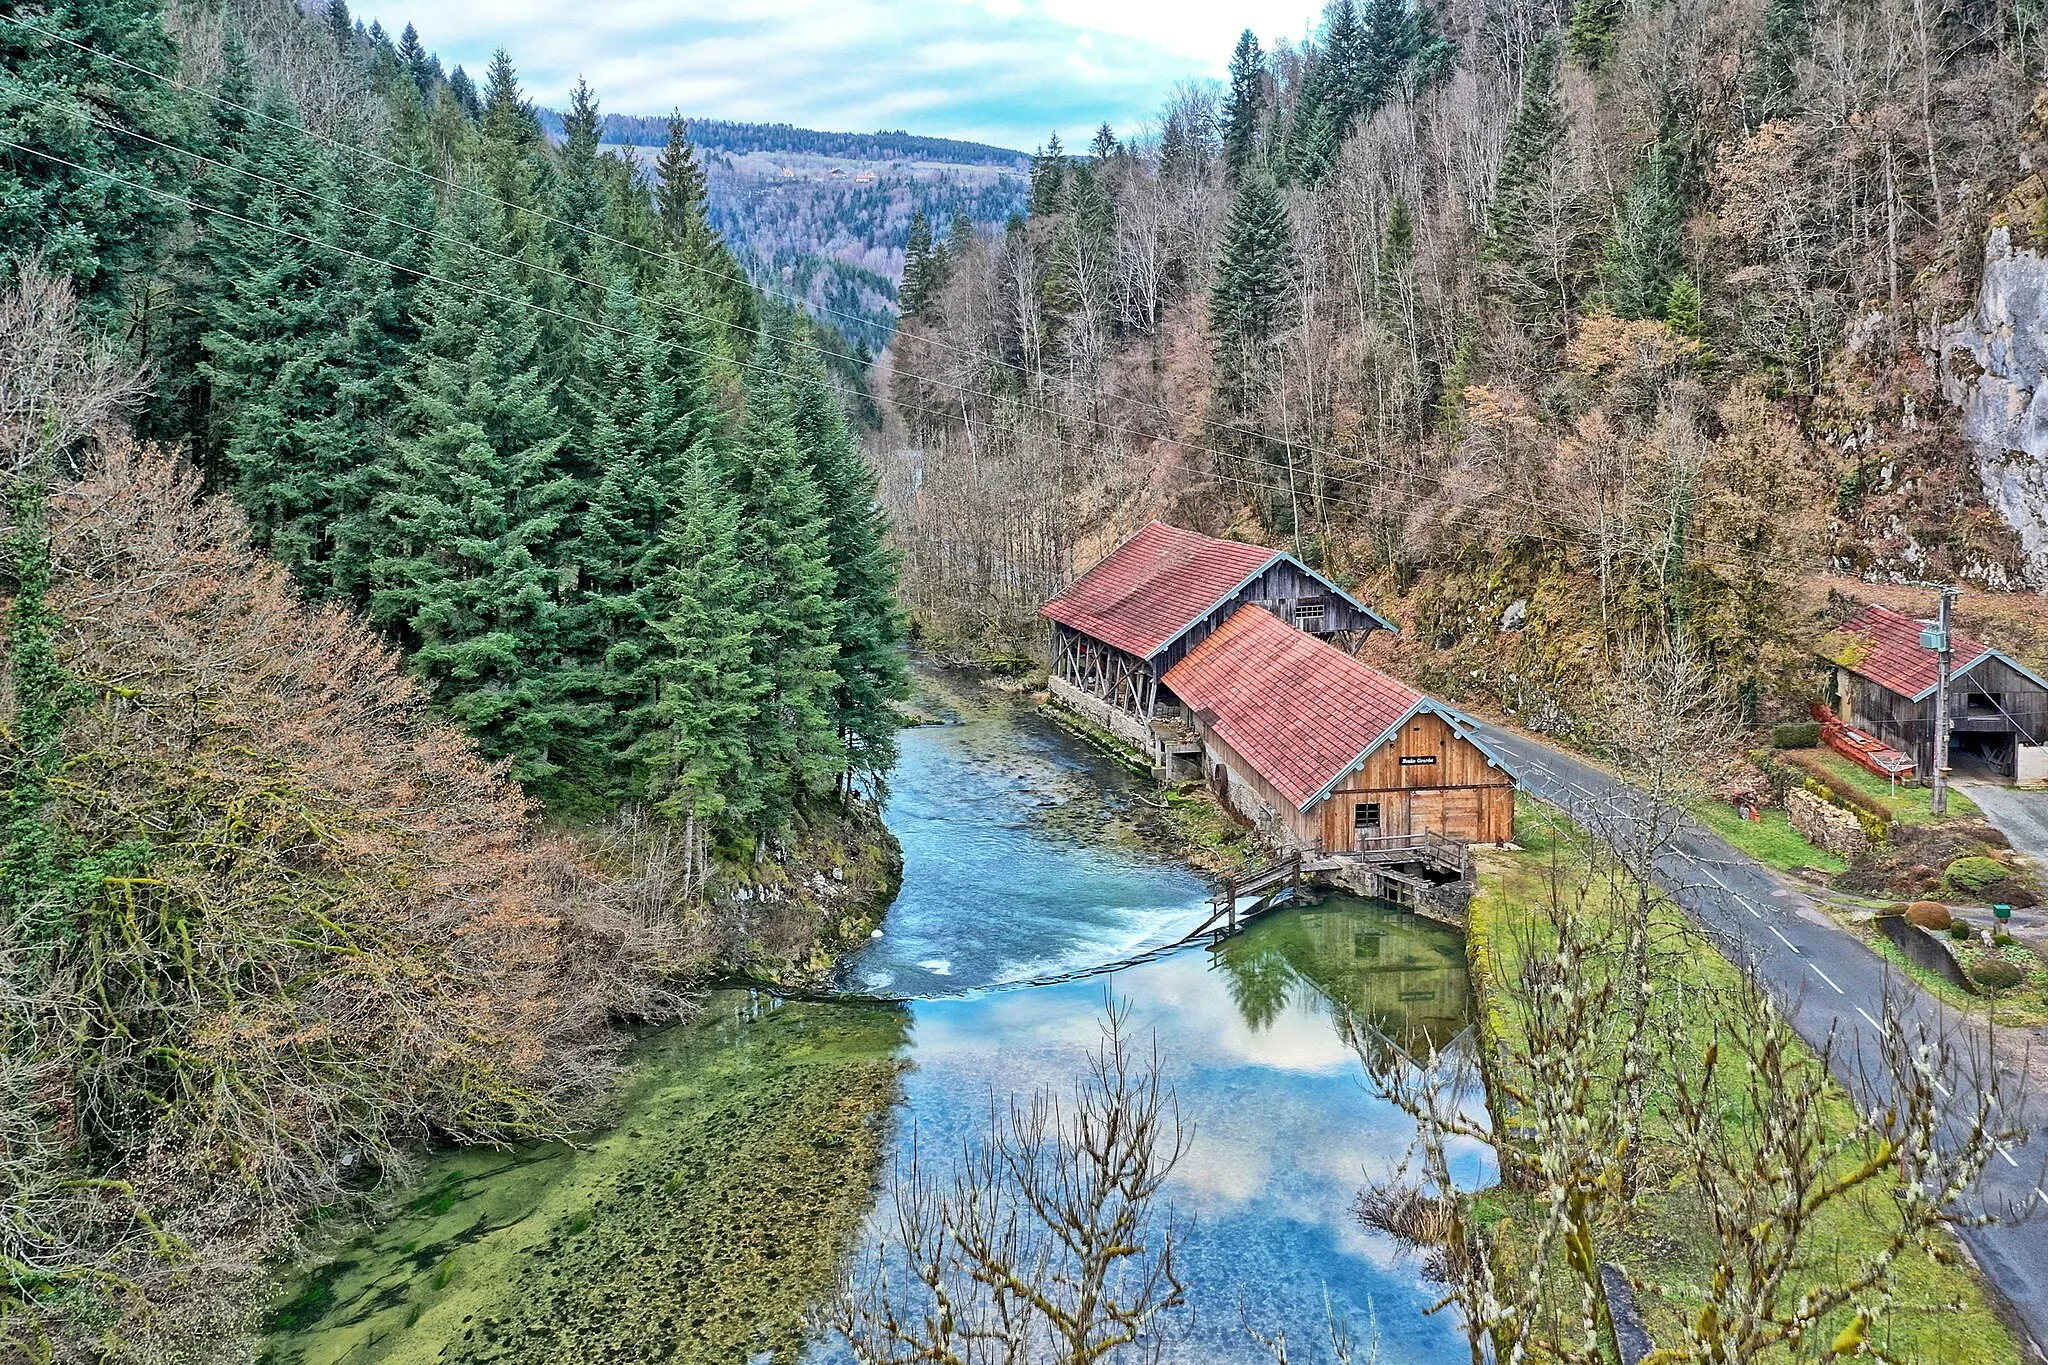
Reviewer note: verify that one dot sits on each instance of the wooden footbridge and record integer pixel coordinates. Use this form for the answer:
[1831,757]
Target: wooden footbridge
[1424,873]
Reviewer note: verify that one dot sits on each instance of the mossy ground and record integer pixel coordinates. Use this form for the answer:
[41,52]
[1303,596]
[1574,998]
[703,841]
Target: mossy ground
[1943,1312]
[699,1229]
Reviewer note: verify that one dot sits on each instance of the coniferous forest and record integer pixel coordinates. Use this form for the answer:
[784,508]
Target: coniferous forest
[451,614]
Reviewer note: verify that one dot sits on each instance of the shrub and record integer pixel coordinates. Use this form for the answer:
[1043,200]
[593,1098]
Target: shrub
[1959,930]
[1972,875]
[1797,735]
[1996,974]
[1929,915]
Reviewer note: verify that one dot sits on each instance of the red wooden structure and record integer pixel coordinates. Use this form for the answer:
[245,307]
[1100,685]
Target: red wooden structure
[1860,748]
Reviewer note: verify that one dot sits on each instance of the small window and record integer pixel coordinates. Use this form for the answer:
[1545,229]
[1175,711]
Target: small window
[1365,817]
[1309,612]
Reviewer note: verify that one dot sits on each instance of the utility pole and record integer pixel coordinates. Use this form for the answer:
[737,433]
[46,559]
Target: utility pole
[1945,654]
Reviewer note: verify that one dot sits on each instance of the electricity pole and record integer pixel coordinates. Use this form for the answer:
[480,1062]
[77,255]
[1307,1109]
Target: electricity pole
[1945,654]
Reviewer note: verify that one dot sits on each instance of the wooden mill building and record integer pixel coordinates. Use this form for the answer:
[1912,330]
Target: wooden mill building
[1121,626]
[1885,681]
[1323,753]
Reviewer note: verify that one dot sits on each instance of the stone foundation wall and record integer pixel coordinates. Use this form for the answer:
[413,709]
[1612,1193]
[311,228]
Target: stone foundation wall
[1103,716]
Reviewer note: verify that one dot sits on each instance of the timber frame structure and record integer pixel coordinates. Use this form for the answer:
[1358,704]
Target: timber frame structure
[1154,599]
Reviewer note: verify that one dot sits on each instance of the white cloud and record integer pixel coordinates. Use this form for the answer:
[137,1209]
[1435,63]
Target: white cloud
[1005,71]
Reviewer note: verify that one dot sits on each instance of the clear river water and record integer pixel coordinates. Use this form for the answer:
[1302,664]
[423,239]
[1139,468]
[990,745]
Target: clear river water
[750,1145]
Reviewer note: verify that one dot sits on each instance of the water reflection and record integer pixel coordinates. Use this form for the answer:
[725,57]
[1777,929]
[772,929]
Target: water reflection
[1401,978]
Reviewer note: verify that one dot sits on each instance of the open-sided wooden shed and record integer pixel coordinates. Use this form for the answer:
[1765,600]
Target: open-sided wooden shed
[1885,681]
[1120,626]
[1323,752]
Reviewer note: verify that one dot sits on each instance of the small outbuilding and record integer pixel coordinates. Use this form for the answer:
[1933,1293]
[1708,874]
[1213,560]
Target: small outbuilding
[1886,678]
[1324,753]
[1119,627]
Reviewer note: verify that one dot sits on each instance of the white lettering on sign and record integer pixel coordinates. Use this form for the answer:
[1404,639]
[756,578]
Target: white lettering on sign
[1417,760]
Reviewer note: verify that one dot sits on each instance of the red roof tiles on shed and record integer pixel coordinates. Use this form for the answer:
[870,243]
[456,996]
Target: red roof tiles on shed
[1298,710]
[1155,585]
[1892,657]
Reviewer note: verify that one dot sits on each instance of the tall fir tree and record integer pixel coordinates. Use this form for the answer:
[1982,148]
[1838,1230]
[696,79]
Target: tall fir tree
[1255,273]
[274,339]
[471,505]
[784,538]
[1642,256]
[867,628]
[97,206]
[1244,112]
[703,687]
[1772,74]
[1049,178]
[916,291]
[1520,221]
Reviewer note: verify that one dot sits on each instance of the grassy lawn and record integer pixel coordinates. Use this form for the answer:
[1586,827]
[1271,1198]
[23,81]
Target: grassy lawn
[1770,839]
[1942,1313]
[1910,804]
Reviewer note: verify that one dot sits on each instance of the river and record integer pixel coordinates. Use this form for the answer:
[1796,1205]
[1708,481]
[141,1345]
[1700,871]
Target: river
[750,1145]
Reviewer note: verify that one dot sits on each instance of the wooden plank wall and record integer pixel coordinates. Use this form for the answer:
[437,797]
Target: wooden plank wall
[1458,793]
[1277,590]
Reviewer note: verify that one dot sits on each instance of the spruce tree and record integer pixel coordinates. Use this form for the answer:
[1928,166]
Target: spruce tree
[1772,76]
[102,233]
[1255,275]
[273,345]
[471,505]
[340,27]
[1049,179]
[867,628]
[679,192]
[1105,144]
[784,538]
[464,91]
[580,191]
[702,688]
[1642,257]
[412,55]
[1246,108]
[1521,224]
[915,293]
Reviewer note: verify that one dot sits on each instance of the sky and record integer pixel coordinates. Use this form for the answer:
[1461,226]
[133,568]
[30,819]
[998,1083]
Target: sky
[1008,72]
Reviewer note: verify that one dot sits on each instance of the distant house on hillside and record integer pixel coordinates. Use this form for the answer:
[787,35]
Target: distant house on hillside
[1120,626]
[1324,753]
[1885,681]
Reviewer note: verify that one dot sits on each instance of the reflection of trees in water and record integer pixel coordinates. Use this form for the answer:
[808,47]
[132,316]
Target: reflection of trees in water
[1396,975]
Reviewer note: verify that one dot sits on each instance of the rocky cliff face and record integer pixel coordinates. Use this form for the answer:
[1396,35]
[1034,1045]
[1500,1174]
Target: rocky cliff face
[1994,366]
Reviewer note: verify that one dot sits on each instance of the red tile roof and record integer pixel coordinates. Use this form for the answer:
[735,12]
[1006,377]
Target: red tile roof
[1154,586]
[1298,710]
[1888,652]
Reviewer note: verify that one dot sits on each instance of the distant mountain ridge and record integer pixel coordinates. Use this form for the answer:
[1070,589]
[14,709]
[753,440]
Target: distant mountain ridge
[722,135]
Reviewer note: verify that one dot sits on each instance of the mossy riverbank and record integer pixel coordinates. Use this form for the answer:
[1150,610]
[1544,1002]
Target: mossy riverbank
[698,1229]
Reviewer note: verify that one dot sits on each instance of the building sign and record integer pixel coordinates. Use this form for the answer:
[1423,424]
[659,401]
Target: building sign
[1417,760]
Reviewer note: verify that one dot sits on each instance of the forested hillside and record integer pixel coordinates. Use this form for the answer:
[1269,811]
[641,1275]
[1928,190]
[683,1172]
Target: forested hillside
[383,482]
[1567,329]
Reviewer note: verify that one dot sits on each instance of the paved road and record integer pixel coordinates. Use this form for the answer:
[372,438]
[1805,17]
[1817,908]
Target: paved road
[2022,815]
[1832,987]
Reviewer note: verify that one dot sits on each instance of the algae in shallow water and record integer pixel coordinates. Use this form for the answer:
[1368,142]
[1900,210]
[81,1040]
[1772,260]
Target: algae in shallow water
[698,1229]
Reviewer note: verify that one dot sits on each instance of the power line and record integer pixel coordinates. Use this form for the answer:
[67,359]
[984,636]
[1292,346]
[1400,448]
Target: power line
[1327,481]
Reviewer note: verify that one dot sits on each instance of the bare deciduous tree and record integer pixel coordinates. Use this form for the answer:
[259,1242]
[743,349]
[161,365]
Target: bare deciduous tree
[1047,1244]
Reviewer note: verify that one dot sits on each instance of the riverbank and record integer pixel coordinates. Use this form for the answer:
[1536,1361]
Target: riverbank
[1937,1308]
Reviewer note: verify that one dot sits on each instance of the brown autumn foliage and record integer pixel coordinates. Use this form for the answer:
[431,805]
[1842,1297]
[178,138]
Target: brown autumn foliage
[346,933]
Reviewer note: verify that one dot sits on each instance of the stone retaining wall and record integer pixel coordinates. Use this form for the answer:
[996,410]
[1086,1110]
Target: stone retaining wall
[1103,716]
[1824,825]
